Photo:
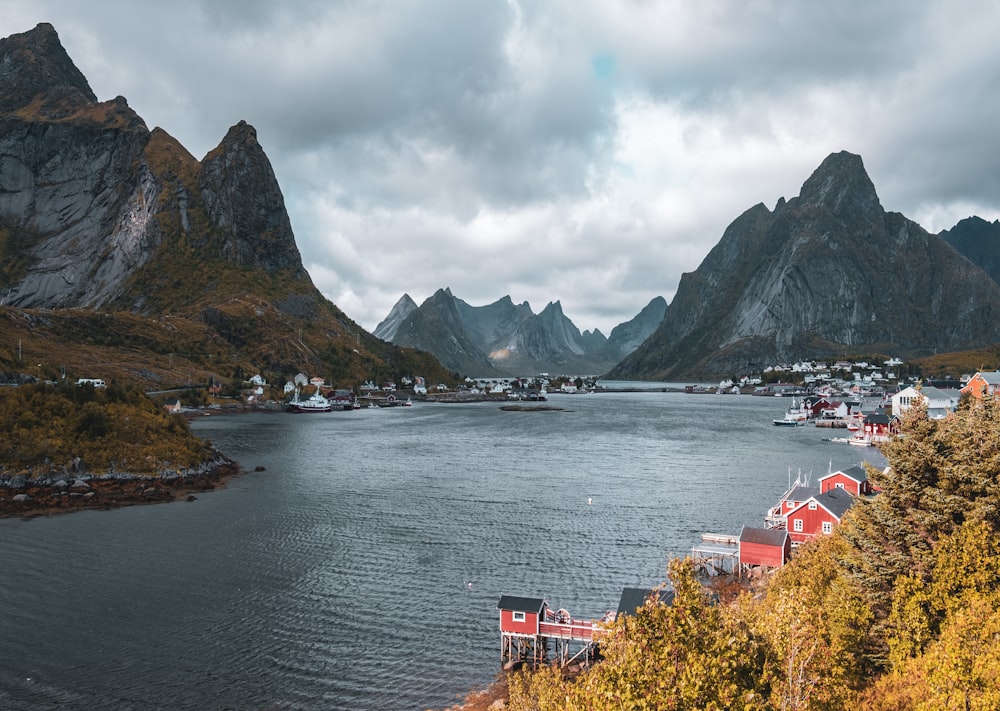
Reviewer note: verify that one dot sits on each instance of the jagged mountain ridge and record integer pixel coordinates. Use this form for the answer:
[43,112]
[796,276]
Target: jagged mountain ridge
[97,212]
[504,338]
[826,273]
[978,241]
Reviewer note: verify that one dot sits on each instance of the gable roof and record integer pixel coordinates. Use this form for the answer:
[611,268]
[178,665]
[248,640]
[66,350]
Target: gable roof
[877,418]
[764,536]
[835,501]
[856,473]
[636,597]
[990,376]
[800,492]
[521,604]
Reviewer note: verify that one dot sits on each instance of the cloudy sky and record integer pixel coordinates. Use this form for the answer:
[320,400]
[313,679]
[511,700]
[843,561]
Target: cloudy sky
[586,151]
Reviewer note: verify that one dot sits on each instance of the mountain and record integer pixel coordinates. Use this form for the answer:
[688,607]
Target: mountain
[115,241]
[626,337]
[826,273]
[437,327]
[504,338]
[978,241]
[386,330]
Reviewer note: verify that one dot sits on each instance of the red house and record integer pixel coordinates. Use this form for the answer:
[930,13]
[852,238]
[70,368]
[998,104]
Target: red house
[764,548]
[798,494]
[520,615]
[982,384]
[818,515]
[877,427]
[853,480]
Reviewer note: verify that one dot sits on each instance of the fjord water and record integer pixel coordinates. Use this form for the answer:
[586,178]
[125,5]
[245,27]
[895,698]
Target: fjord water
[361,568]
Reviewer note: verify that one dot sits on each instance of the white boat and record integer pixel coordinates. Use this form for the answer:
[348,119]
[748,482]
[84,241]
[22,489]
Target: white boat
[314,403]
[794,416]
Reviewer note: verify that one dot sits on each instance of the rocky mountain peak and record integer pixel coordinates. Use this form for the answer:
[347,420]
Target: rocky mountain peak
[841,185]
[386,330]
[244,201]
[829,272]
[34,65]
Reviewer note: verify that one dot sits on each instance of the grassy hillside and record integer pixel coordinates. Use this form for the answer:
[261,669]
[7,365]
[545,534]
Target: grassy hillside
[46,429]
[233,341]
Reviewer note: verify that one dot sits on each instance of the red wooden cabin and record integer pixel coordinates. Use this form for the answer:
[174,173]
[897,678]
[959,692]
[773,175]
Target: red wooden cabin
[853,480]
[520,615]
[764,547]
[818,516]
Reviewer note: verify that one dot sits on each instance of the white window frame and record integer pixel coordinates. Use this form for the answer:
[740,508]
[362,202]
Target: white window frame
[827,527]
[797,524]
[839,485]
[517,616]
[812,505]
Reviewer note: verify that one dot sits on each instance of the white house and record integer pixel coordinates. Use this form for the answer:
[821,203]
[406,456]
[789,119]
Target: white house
[939,402]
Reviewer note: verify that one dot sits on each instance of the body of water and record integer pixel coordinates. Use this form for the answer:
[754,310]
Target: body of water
[361,568]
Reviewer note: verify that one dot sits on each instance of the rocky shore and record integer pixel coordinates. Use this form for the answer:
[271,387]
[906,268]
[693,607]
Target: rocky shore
[23,496]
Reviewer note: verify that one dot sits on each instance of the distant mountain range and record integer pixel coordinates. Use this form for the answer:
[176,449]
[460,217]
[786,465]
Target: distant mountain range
[825,274]
[504,338]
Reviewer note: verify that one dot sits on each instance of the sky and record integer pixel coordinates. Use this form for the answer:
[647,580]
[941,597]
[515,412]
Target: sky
[582,151]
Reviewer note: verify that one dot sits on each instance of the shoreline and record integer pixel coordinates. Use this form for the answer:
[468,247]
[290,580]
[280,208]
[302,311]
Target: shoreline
[26,498]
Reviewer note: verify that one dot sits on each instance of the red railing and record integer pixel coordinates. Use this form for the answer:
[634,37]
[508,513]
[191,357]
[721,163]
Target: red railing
[574,629]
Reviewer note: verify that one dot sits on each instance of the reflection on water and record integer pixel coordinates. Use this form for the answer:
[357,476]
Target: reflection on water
[361,568]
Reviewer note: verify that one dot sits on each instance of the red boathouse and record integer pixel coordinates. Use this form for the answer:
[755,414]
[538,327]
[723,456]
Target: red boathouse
[527,625]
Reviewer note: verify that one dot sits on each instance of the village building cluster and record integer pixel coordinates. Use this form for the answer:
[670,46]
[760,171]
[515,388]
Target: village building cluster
[528,626]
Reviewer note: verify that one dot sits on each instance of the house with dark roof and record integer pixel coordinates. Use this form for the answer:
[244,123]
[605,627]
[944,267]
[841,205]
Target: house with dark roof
[634,598]
[797,494]
[818,515]
[520,615]
[764,548]
[853,480]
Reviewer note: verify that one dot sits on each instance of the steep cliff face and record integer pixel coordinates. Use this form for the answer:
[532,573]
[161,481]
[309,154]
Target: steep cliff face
[76,196]
[827,272]
[89,197]
[244,202]
[978,241]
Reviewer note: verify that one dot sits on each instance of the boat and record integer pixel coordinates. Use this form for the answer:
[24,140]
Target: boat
[314,403]
[794,416]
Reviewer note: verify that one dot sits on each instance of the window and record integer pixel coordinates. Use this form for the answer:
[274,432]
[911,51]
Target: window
[797,523]
[827,527]
[840,485]
[812,505]
[517,616]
